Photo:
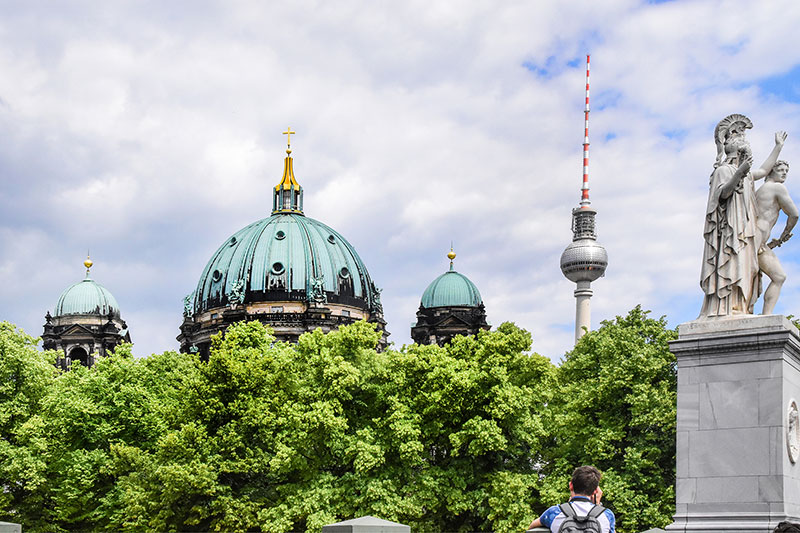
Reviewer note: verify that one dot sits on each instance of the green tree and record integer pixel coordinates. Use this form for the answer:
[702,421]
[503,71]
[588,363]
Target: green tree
[85,414]
[282,437]
[25,374]
[278,437]
[460,438]
[615,409]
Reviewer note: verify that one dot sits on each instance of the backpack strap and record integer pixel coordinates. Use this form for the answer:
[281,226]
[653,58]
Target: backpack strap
[569,512]
[596,511]
[567,509]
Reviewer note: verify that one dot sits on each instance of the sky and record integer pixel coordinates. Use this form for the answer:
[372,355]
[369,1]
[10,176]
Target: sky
[149,132]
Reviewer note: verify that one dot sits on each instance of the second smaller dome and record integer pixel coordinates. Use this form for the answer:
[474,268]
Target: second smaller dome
[451,289]
[86,297]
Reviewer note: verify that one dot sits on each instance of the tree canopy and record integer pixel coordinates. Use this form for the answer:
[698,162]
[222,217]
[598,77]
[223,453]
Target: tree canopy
[476,435]
[616,409]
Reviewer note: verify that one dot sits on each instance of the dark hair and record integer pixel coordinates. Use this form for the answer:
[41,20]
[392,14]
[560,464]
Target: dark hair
[787,527]
[585,480]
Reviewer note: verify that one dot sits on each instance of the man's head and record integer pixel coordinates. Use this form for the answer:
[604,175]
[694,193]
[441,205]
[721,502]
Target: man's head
[779,171]
[787,527]
[585,480]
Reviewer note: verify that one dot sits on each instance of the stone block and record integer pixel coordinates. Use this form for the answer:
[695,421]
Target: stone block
[686,490]
[366,524]
[682,454]
[10,527]
[723,508]
[736,372]
[769,395]
[686,376]
[770,489]
[739,325]
[728,404]
[727,452]
[729,489]
[687,405]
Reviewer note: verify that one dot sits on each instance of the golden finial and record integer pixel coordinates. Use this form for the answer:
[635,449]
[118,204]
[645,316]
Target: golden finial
[288,134]
[451,255]
[88,263]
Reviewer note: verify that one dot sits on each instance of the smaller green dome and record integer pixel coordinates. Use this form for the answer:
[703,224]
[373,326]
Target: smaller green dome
[86,298]
[451,289]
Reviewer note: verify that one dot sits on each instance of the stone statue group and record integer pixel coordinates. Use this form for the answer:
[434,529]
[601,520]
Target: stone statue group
[738,223]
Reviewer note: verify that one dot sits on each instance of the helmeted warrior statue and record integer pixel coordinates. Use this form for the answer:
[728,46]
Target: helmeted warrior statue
[730,272]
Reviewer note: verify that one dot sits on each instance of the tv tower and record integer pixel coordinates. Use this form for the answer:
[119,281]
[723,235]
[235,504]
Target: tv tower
[584,260]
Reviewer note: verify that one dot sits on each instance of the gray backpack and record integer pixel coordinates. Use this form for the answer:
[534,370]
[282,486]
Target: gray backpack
[573,523]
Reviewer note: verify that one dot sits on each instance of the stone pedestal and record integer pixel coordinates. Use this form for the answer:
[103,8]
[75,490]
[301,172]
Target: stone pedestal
[366,524]
[737,378]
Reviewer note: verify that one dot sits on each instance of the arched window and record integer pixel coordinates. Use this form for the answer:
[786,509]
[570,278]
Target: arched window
[79,354]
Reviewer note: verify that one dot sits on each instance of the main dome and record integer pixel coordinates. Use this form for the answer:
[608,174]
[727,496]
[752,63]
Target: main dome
[86,297]
[284,257]
[451,289]
[288,271]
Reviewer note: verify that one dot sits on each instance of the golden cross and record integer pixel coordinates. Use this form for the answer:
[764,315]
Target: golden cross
[288,134]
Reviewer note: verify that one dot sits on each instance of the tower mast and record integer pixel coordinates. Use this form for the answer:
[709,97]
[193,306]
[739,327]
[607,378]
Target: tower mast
[584,260]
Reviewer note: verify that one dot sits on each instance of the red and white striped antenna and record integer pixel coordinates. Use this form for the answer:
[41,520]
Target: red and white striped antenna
[585,187]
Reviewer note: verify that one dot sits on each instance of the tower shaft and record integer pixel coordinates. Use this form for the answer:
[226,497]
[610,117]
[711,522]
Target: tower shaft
[583,309]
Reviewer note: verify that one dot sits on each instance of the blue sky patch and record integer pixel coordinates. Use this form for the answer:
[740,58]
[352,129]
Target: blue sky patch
[545,71]
[784,86]
[604,99]
[676,134]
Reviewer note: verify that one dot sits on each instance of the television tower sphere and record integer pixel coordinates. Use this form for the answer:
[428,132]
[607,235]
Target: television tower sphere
[584,259]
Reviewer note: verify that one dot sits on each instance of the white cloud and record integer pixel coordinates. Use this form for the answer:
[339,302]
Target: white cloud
[149,132]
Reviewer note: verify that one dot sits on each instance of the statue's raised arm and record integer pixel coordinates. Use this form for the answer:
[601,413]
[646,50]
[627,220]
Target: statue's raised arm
[764,170]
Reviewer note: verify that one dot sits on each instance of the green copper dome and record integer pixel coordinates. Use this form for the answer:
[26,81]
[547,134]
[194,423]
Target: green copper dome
[86,297]
[451,289]
[285,257]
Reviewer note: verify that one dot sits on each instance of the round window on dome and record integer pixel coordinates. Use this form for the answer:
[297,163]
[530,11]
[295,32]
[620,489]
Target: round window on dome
[277,268]
[344,272]
[331,239]
[280,235]
[232,242]
[216,276]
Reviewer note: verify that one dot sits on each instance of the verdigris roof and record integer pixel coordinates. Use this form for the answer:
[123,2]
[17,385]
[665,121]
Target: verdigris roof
[451,289]
[281,258]
[86,297]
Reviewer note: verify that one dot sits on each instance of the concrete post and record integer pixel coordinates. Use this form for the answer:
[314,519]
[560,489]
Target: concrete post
[366,524]
[737,381]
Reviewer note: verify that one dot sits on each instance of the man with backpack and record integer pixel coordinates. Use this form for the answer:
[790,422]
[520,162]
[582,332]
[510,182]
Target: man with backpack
[583,511]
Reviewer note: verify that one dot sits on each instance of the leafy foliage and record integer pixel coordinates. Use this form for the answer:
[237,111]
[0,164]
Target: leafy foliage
[615,409]
[25,375]
[277,437]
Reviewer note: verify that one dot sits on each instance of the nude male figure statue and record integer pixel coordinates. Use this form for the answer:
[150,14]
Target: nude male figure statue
[772,198]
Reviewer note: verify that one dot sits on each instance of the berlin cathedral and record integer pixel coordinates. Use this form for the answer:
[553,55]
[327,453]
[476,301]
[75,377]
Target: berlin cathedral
[289,271]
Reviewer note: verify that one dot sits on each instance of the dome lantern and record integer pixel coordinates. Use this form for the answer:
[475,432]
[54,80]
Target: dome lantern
[288,194]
